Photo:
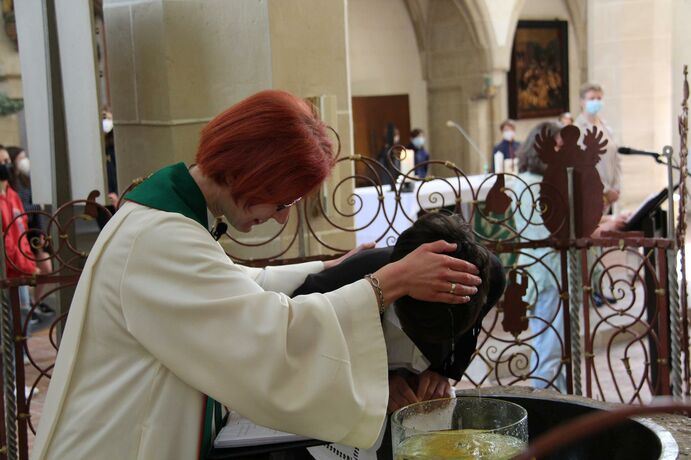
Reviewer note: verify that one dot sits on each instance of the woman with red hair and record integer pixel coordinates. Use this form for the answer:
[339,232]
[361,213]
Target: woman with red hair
[163,322]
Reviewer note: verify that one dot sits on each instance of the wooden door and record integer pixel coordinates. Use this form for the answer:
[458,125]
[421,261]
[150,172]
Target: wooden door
[371,115]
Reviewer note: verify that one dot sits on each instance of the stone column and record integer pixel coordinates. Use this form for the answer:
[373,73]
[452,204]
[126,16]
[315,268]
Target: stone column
[175,64]
[10,85]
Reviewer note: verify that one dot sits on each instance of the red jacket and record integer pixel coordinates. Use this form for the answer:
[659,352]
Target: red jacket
[18,255]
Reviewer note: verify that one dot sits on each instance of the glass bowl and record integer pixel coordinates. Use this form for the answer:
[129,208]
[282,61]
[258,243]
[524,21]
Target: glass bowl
[460,429]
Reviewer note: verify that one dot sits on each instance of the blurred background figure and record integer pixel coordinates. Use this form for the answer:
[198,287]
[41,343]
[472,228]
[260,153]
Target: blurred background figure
[565,119]
[417,144]
[20,181]
[608,167]
[14,228]
[546,319]
[508,146]
[390,162]
[111,165]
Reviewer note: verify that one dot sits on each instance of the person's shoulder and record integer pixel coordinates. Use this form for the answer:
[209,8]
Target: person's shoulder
[166,224]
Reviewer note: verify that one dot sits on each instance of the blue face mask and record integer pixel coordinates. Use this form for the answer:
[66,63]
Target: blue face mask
[418,141]
[593,106]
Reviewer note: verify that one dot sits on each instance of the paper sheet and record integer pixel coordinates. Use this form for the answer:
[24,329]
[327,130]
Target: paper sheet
[242,432]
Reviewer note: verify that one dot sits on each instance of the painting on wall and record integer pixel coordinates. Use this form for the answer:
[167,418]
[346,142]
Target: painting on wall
[539,76]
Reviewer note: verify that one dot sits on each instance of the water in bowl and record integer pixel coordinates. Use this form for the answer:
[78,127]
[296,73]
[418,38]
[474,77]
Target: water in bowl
[459,445]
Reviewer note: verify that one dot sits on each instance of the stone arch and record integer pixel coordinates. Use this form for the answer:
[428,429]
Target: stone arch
[455,43]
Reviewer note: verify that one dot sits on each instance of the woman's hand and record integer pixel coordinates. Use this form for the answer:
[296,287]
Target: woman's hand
[334,262]
[430,275]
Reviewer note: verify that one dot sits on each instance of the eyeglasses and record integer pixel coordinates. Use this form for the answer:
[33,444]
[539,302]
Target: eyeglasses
[281,207]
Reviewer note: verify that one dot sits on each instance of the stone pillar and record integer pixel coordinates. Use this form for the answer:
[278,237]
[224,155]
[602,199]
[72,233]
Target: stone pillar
[174,65]
[10,85]
[630,55]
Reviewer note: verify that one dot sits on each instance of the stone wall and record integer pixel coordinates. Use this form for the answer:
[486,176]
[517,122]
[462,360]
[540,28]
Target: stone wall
[384,56]
[10,85]
[175,64]
[630,53]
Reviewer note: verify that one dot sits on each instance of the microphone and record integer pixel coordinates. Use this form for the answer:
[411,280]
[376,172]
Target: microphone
[630,151]
[452,124]
[219,229]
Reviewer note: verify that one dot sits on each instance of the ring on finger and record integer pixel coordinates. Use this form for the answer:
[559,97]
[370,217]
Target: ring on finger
[453,289]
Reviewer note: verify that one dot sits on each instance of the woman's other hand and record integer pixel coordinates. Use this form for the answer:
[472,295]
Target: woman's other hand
[334,262]
[429,274]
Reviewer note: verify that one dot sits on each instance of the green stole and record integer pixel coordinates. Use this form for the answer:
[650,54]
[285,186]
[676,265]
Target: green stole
[172,189]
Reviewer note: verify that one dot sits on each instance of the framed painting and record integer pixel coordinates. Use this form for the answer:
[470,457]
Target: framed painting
[539,75]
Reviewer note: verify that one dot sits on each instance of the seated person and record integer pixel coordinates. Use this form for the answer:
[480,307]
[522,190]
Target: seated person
[439,337]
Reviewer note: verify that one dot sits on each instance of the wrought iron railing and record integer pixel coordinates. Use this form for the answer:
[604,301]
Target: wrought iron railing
[627,350]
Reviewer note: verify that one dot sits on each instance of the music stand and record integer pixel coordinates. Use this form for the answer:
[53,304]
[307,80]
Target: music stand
[647,207]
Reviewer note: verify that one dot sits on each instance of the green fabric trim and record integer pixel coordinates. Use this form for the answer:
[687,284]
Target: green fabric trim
[205,448]
[172,189]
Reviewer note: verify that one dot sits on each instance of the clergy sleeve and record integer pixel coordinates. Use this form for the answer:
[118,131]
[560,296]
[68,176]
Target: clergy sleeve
[313,365]
[283,278]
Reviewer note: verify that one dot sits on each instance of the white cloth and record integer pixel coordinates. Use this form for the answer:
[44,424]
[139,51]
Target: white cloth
[161,316]
[609,166]
[400,349]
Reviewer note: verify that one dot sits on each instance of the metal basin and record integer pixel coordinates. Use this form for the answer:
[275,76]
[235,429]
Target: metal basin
[640,439]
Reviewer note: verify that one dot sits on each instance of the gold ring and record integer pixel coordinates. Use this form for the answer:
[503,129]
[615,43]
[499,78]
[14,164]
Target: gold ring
[453,288]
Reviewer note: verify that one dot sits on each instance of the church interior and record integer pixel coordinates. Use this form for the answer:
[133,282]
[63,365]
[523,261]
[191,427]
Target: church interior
[434,107]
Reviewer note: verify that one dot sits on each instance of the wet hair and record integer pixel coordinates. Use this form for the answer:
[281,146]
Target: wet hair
[507,122]
[269,148]
[528,159]
[429,321]
[585,87]
[14,152]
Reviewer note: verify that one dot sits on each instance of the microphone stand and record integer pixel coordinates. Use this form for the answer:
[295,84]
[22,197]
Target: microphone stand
[656,156]
[452,124]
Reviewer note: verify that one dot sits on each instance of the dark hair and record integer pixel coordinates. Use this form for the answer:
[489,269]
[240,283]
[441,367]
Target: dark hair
[390,133]
[16,179]
[415,133]
[427,320]
[528,159]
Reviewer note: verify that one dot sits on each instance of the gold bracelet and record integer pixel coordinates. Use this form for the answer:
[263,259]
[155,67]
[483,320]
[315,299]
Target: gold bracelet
[374,281]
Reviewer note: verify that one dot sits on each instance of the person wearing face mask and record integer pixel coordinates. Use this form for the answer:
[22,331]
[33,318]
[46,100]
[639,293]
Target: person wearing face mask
[15,223]
[20,181]
[417,144]
[508,146]
[165,329]
[609,166]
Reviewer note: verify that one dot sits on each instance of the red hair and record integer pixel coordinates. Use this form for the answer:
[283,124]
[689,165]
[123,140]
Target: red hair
[269,148]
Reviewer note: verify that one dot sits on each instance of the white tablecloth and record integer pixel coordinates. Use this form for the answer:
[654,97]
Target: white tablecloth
[383,221]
